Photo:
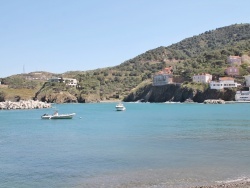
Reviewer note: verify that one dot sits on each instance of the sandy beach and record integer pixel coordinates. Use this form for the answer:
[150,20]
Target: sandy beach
[235,184]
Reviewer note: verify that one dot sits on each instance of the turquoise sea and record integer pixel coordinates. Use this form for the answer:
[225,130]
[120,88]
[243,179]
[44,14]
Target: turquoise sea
[148,145]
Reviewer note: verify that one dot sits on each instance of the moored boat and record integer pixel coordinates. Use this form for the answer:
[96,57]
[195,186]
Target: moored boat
[120,107]
[58,116]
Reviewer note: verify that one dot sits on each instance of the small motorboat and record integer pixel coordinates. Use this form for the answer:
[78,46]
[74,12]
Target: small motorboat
[120,107]
[58,116]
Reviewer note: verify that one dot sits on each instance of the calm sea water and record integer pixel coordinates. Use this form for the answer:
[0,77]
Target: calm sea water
[148,145]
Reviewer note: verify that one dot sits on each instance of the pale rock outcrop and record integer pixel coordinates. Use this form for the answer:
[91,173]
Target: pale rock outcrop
[30,104]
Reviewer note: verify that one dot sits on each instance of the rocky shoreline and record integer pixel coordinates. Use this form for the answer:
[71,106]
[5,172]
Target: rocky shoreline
[177,93]
[30,104]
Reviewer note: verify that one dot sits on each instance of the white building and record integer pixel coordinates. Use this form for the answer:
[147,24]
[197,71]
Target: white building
[247,78]
[224,82]
[68,81]
[202,78]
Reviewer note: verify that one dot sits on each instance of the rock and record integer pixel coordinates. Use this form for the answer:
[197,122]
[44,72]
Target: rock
[214,101]
[62,97]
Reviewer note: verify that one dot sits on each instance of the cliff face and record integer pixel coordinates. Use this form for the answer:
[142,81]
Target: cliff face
[176,93]
[61,97]
[65,97]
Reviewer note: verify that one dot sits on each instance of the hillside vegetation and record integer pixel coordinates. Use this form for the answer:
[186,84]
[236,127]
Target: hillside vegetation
[206,52]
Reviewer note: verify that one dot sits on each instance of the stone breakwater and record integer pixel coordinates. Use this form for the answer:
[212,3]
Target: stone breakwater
[30,104]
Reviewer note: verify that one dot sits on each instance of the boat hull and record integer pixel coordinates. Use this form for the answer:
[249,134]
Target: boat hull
[120,108]
[62,116]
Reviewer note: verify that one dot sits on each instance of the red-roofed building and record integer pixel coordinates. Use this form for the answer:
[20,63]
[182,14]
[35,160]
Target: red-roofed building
[168,70]
[234,60]
[225,78]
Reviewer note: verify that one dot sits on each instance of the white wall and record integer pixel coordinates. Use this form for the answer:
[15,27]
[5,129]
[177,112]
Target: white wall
[247,78]
[223,84]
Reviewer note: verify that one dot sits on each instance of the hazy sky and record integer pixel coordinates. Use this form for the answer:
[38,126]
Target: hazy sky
[59,35]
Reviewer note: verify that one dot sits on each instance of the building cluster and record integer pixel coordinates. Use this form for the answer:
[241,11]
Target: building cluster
[165,76]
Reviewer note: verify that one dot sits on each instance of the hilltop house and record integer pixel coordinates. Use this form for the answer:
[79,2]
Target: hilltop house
[68,81]
[224,82]
[232,71]
[202,78]
[234,60]
[163,77]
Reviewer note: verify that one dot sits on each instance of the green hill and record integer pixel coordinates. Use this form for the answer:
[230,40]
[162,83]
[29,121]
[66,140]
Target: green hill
[206,52]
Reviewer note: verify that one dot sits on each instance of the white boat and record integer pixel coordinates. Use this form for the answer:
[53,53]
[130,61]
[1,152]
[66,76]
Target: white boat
[120,107]
[58,116]
[242,96]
